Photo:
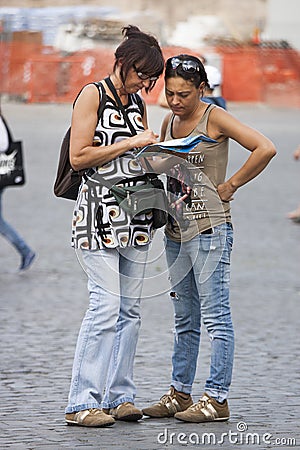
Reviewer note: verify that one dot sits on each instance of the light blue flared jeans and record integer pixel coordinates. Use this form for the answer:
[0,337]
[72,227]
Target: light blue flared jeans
[102,375]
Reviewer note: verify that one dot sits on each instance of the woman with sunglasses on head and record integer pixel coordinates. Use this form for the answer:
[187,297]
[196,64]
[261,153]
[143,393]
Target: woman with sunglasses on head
[113,246]
[199,239]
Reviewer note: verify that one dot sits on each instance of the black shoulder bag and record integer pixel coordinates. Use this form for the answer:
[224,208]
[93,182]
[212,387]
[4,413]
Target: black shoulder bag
[11,162]
[140,198]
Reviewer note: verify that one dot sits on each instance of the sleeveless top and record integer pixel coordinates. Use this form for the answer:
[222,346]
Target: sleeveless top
[195,205]
[98,221]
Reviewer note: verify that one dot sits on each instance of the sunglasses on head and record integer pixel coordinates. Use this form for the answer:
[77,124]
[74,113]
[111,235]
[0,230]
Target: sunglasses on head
[144,76]
[187,64]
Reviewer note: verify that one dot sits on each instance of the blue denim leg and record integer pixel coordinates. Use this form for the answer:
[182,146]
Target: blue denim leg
[9,233]
[108,335]
[187,317]
[120,374]
[210,259]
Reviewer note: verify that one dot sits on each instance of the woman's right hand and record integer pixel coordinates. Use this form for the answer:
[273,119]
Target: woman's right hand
[140,140]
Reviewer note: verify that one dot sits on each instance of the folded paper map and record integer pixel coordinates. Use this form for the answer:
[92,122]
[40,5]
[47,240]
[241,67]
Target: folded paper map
[182,145]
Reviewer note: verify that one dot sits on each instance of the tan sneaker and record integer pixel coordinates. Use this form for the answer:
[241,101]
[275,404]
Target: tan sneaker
[126,411]
[169,404]
[90,418]
[206,410]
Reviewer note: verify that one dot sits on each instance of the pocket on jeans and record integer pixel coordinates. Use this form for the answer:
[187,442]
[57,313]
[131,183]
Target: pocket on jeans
[218,246]
[210,242]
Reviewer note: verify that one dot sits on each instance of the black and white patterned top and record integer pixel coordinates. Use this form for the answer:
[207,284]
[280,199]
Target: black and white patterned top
[98,221]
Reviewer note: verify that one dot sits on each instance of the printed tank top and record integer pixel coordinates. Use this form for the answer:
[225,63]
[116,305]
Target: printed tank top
[98,221]
[195,205]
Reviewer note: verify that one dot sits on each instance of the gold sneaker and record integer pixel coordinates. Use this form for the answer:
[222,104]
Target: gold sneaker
[206,410]
[90,418]
[169,404]
[125,411]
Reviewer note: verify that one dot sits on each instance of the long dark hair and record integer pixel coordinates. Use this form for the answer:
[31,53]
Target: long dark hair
[139,50]
[196,77]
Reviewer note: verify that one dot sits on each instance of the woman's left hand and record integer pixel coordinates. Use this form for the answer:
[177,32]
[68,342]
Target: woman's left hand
[226,191]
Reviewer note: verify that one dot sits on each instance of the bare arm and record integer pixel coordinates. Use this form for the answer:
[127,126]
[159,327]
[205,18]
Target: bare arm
[145,116]
[262,150]
[84,121]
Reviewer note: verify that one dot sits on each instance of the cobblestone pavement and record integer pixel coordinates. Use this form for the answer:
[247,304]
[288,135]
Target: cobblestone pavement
[41,310]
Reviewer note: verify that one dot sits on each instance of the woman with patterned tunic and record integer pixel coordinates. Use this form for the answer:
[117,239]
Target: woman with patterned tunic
[113,245]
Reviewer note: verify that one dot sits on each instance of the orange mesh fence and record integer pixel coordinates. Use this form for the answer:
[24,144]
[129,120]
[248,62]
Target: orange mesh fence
[15,67]
[4,66]
[260,74]
[242,75]
[40,74]
[65,76]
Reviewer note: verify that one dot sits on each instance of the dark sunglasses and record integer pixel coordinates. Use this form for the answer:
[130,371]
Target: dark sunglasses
[187,64]
[144,76]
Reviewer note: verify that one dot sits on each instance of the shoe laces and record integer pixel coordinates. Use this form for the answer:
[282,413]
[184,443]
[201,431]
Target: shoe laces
[94,411]
[167,398]
[202,403]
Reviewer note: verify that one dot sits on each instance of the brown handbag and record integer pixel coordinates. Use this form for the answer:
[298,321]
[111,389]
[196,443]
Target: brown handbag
[67,181]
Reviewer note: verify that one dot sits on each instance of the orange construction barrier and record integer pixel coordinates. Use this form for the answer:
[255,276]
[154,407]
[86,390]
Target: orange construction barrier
[42,74]
[65,76]
[259,74]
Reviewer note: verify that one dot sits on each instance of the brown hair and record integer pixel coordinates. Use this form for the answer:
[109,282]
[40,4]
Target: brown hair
[140,50]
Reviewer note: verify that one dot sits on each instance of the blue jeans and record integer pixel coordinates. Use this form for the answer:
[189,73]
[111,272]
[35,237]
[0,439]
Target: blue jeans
[107,340]
[11,235]
[200,274]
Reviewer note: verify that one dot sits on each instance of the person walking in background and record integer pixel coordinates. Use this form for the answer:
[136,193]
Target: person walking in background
[199,240]
[214,79]
[295,215]
[113,246]
[6,230]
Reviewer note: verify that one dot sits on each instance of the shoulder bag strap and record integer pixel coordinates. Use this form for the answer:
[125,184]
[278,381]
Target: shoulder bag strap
[133,130]
[118,100]
[120,105]
[140,103]
[102,98]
